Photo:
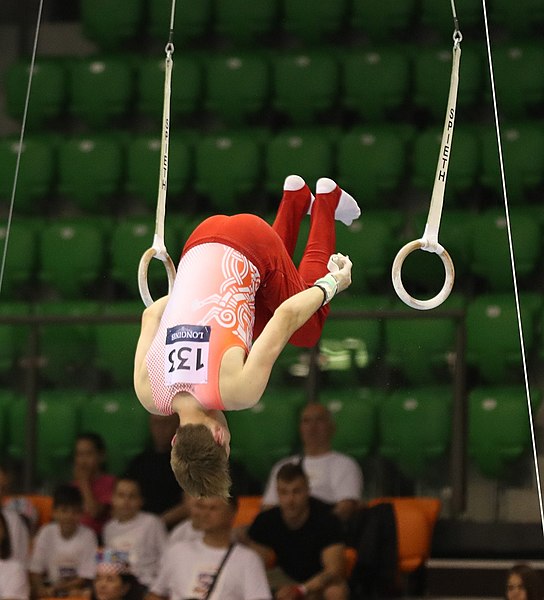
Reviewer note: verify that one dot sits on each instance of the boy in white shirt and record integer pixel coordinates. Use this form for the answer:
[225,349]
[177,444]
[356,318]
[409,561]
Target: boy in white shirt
[140,534]
[191,528]
[63,557]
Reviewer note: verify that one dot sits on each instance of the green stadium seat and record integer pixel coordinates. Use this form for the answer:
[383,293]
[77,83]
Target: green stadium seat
[375,82]
[371,164]
[264,434]
[90,171]
[36,172]
[242,22]
[464,163]
[123,423]
[490,251]
[228,168]
[520,19]
[186,86]
[57,428]
[415,428]
[523,159]
[48,92]
[142,168]
[237,86]
[305,85]
[112,25]
[116,343]
[499,427]
[519,78]
[21,258]
[355,413]
[101,89]
[383,20]
[306,152]
[438,16]
[7,397]
[71,256]
[66,349]
[130,238]
[493,343]
[325,19]
[431,80]
[422,350]
[13,338]
[194,22]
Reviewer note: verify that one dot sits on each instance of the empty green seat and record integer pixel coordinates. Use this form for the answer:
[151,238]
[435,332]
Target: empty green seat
[431,80]
[111,25]
[122,421]
[519,78]
[7,397]
[493,344]
[521,18]
[375,81]
[383,20]
[305,84]
[194,22]
[237,86]
[116,342]
[371,163]
[498,429]
[57,427]
[21,257]
[143,168]
[66,349]
[325,19]
[267,432]
[490,250]
[71,256]
[13,338]
[227,170]
[415,427]
[306,152]
[90,171]
[36,172]
[100,89]
[355,413]
[186,86]
[48,91]
[523,160]
[242,22]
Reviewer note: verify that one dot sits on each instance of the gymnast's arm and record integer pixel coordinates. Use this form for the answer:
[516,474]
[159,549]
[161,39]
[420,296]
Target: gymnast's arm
[151,318]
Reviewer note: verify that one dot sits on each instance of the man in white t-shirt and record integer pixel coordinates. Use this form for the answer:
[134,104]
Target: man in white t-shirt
[191,528]
[63,556]
[13,576]
[335,478]
[213,567]
[140,534]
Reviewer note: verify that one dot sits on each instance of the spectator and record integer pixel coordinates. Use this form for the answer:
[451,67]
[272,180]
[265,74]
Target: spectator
[334,478]
[113,580]
[63,557]
[304,540]
[141,535]
[524,583]
[13,577]
[11,497]
[96,486]
[213,567]
[161,492]
[191,528]
[19,533]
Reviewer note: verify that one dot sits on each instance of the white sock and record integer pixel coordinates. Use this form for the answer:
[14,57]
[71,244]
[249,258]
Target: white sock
[347,209]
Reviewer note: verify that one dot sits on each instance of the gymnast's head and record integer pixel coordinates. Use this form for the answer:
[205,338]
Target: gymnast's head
[199,460]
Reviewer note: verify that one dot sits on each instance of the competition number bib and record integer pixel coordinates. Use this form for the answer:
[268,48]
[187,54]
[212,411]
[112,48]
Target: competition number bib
[187,350]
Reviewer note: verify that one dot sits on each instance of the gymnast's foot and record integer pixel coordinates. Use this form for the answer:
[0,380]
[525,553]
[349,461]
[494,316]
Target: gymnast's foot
[347,209]
[295,187]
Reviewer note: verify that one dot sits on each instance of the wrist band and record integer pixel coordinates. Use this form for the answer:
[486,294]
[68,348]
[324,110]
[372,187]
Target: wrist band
[301,590]
[329,286]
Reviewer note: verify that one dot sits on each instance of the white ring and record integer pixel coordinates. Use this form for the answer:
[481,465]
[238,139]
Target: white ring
[142,274]
[396,275]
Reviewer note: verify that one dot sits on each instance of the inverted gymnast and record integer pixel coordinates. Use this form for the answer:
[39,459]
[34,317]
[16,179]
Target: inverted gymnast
[237,300]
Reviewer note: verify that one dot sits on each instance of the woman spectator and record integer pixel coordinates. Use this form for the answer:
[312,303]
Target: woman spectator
[113,580]
[524,583]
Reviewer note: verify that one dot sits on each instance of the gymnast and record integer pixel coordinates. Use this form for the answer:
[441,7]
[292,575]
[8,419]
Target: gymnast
[237,300]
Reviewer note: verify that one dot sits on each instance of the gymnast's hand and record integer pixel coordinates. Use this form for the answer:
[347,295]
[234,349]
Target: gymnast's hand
[340,268]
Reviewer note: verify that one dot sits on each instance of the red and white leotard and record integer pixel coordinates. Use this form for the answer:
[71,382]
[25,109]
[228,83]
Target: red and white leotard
[215,286]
